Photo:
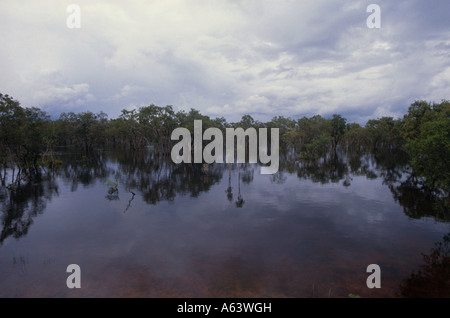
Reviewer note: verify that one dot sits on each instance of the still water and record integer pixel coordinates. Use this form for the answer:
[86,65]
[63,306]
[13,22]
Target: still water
[310,230]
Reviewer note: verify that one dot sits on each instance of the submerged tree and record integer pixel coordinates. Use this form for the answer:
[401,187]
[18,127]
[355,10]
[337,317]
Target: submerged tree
[24,134]
[338,125]
[28,136]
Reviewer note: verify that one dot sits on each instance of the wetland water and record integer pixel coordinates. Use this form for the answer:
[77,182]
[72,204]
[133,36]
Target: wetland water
[310,230]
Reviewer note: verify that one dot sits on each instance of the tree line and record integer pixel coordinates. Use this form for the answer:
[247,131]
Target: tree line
[29,137]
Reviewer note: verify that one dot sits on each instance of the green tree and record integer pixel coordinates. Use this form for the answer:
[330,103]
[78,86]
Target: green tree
[338,125]
[427,132]
[21,135]
[355,137]
[314,136]
[12,119]
[383,133]
[246,122]
[36,124]
[285,126]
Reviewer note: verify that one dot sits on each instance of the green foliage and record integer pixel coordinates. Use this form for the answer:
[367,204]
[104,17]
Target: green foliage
[383,133]
[247,121]
[318,147]
[84,130]
[338,125]
[113,186]
[22,132]
[427,132]
[418,111]
[12,118]
[356,137]
[287,128]
[313,136]
[26,134]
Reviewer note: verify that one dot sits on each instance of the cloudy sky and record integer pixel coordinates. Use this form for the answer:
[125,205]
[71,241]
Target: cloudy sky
[227,58]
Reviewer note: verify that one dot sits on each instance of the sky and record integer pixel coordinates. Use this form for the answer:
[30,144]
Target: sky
[265,58]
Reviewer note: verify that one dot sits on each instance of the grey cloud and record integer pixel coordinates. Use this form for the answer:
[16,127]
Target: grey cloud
[267,58]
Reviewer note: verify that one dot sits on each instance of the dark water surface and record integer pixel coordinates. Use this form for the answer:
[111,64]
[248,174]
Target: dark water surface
[308,231]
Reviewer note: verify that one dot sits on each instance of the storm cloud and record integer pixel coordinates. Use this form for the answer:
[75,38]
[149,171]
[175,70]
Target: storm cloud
[226,58]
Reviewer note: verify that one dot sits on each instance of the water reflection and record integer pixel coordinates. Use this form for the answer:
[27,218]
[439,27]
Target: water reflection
[83,170]
[157,179]
[390,167]
[240,200]
[432,280]
[281,245]
[229,190]
[19,206]
[418,203]
[328,169]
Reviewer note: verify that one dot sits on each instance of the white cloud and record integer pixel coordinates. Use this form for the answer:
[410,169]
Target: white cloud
[228,58]
[68,96]
[126,91]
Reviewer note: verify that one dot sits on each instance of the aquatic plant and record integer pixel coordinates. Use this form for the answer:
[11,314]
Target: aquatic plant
[113,186]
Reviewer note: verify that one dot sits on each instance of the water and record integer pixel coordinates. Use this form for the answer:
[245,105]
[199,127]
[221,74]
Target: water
[175,231]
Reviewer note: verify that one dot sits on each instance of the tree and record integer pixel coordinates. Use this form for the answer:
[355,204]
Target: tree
[314,136]
[427,132]
[65,127]
[36,124]
[21,135]
[285,125]
[88,130]
[12,118]
[383,133]
[355,137]
[338,125]
[247,121]
[413,119]
[128,125]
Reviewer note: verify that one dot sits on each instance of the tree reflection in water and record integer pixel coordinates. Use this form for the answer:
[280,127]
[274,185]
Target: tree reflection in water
[240,200]
[417,202]
[155,178]
[22,204]
[229,190]
[391,167]
[161,180]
